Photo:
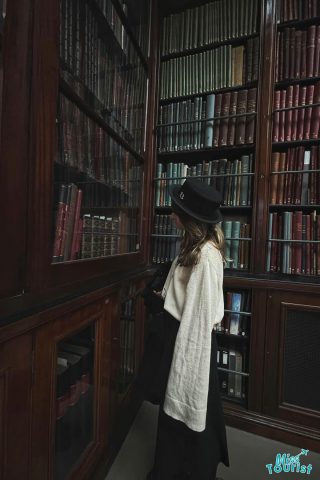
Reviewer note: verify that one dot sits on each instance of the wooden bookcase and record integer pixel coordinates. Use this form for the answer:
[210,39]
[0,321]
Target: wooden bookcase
[45,108]
[267,408]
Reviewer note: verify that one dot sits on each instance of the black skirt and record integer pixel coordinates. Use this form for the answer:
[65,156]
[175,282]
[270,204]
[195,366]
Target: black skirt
[180,450]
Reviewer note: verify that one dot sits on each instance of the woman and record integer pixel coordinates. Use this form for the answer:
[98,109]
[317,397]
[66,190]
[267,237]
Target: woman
[191,437]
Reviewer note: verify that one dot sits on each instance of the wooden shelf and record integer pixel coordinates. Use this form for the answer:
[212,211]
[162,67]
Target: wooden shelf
[296,81]
[293,143]
[164,101]
[299,23]
[192,156]
[210,46]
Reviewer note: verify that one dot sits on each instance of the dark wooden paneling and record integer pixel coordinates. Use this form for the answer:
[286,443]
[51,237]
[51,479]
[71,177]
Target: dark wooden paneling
[14,153]
[15,408]
[279,305]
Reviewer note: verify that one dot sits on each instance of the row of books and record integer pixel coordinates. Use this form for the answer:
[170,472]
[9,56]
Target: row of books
[237,251]
[89,236]
[231,363]
[294,257]
[165,249]
[74,403]
[296,123]
[98,75]
[289,10]
[300,187]
[298,53]
[127,344]
[234,322]
[108,10]
[217,68]
[212,22]
[103,236]
[86,147]
[185,126]
[227,176]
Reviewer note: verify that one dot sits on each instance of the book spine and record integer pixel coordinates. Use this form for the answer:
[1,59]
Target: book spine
[251,120]
[241,121]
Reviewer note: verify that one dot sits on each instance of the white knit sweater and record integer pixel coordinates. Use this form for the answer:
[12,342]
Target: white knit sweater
[194,296]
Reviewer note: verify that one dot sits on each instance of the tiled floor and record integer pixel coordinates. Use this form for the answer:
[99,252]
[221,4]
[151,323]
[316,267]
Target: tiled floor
[248,453]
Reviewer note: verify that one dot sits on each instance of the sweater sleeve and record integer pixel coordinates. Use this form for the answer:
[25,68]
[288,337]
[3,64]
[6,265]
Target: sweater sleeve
[187,389]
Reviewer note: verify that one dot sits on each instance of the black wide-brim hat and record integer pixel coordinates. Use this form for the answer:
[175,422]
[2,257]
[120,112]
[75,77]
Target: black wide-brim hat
[198,199]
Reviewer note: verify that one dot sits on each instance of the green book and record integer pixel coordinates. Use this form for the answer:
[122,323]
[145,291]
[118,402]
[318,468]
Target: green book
[235,234]
[244,184]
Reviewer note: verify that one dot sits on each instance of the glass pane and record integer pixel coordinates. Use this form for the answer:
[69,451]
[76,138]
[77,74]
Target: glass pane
[96,191]
[101,66]
[74,404]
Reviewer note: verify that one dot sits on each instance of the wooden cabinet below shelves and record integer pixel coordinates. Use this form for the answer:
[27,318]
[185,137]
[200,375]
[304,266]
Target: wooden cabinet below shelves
[15,407]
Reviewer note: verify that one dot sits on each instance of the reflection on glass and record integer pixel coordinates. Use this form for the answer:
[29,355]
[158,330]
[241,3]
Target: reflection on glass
[74,403]
[97,191]
[99,62]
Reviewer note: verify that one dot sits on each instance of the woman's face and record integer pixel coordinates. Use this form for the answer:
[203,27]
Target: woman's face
[177,220]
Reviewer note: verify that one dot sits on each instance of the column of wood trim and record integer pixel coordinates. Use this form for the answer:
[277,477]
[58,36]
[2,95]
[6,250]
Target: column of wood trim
[264,131]
[151,143]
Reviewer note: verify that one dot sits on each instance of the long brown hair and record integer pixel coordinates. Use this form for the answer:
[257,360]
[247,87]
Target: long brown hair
[196,234]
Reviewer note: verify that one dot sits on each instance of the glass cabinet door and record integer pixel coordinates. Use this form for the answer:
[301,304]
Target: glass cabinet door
[100,135]
[74,400]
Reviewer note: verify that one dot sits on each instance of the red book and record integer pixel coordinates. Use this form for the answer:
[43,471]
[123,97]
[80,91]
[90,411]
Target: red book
[286,66]
[59,223]
[315,117]
[75,235]
[311,38]
[287,177]
[316,67]
[298,182]
[301,114]
[291,167]
[288,114]
[232,121]
[276,116]
[276,75]
[313,166]
[225,108]
[241,121]
[295,113]
[280,188]
[298,46]
[308,114]
[303,67]
[283,94]
[275,162]
[251,120]
[292,62]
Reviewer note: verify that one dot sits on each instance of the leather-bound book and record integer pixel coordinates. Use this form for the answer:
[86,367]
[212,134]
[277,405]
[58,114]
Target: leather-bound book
[308,114]
[297,53]
[303,67]
[315,116]
[301,113]
[276,116]
[217,113]
[251,120]
[316,66]
[283,94]
[292,53]
[288,114]
[232,121]
[225,107]
[282,164]
[311,37]
[295,113]
[275,161]
[241,121]
[286,72]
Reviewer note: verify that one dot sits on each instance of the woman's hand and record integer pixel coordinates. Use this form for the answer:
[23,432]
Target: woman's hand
[157,292]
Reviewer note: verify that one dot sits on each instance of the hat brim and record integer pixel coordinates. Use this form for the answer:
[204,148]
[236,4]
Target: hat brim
[173,192]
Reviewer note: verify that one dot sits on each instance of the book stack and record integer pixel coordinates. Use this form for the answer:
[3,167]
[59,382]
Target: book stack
[301,187]
[127,344]
[289,10]
[221,67]
[231,363]
[74,404]
[291,122]
[167,239]
[234,321]
[112,85]
[288,255]
[237,244]
[191,124]
[209,23]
